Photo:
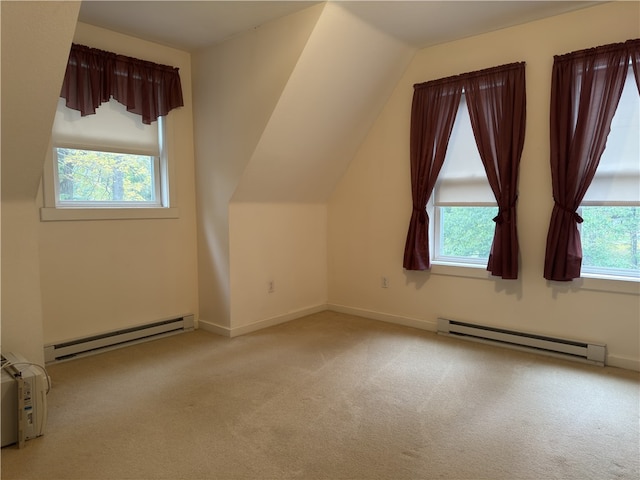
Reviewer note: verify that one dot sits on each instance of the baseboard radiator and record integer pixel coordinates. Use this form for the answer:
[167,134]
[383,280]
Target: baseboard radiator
[593,353]
[117,339]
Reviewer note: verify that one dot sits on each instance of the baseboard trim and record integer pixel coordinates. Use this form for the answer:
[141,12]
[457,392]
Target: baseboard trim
[618,361]
[385,317]
[623,362]
[214,328]
[260,324]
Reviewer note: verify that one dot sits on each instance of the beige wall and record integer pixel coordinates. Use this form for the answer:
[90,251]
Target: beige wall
[35,46]
[103,275]
[237,85]
[281,243]
[63,280]
[369,211]
[280,113]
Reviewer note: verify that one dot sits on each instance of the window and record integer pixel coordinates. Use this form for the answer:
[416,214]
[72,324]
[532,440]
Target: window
[589,162]
[610,232]
[109,160]
[109,155]
[497,97]
[463,202]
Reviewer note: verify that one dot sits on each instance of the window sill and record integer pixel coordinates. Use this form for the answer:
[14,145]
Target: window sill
[604,283]
[76,214]
[460,270]
[590,282]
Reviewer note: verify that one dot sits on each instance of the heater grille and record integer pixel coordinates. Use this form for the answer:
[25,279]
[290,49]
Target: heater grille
[559,347]
[116,339]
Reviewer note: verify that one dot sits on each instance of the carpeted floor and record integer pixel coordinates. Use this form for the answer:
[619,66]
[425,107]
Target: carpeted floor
[332,396]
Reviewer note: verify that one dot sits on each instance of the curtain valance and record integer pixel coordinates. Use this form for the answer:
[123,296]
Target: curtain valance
[93,76]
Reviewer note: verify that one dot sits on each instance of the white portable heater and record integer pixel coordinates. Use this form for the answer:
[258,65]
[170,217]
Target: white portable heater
[24,399]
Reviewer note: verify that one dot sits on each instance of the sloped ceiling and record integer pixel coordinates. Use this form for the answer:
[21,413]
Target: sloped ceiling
[353,58]
[344,75]
[35,46]
[186,25]
[190,25]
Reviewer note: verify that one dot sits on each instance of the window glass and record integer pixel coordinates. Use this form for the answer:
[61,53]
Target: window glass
[110,159]
[89,176]
[610,239]
[465,233]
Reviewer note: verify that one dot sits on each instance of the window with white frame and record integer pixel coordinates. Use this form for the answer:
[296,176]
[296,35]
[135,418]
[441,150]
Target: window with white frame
[107,160]
[610,232]
[463,203]
[109,155]
[107,165]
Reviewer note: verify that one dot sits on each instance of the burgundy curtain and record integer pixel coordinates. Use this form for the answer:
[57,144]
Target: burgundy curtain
[433,113]
[496,101]
[634,53]
[94,76]
[585,90]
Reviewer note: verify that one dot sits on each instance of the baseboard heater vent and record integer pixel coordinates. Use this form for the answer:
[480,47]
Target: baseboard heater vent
[593,353]
[116,339]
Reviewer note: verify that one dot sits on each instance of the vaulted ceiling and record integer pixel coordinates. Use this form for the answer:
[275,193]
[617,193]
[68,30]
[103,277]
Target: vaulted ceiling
[190,25]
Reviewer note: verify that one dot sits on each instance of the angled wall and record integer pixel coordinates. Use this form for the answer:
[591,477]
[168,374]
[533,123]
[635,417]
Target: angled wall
[36,37]
[340,83]
[281,111]
[278,213]
[237,85]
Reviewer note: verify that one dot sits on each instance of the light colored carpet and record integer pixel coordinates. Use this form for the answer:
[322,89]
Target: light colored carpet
[332,396]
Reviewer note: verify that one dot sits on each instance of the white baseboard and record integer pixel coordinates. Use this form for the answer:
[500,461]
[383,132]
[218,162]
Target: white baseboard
[213,328]
[623,362]
[259,325]
[385,317]
[612,360]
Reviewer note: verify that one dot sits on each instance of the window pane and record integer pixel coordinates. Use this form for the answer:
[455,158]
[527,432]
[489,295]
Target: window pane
[92,176]
[610,239]
[462,178]
[618,174]
[466,232]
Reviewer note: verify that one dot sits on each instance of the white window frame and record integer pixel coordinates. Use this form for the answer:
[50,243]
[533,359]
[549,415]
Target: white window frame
[605,273]
[54,210]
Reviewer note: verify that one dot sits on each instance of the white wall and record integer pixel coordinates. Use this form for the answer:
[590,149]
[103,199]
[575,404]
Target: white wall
[104,275]
[281,243]
[340,82]
[35,46]
[280,176]
[277,218]
[237,85]
[370,210]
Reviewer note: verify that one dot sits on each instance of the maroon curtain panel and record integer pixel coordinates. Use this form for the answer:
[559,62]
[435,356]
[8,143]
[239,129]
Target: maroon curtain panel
[634,53]
[433,113]
[496,99]
[585,90]
[496,102]
[94,76]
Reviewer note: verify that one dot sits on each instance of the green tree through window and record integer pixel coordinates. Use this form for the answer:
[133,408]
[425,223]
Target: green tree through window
[469,232]
[92,176]
[610,237]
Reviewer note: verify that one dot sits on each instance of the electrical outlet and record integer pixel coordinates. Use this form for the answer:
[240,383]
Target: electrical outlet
[271,286]
[385,282]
